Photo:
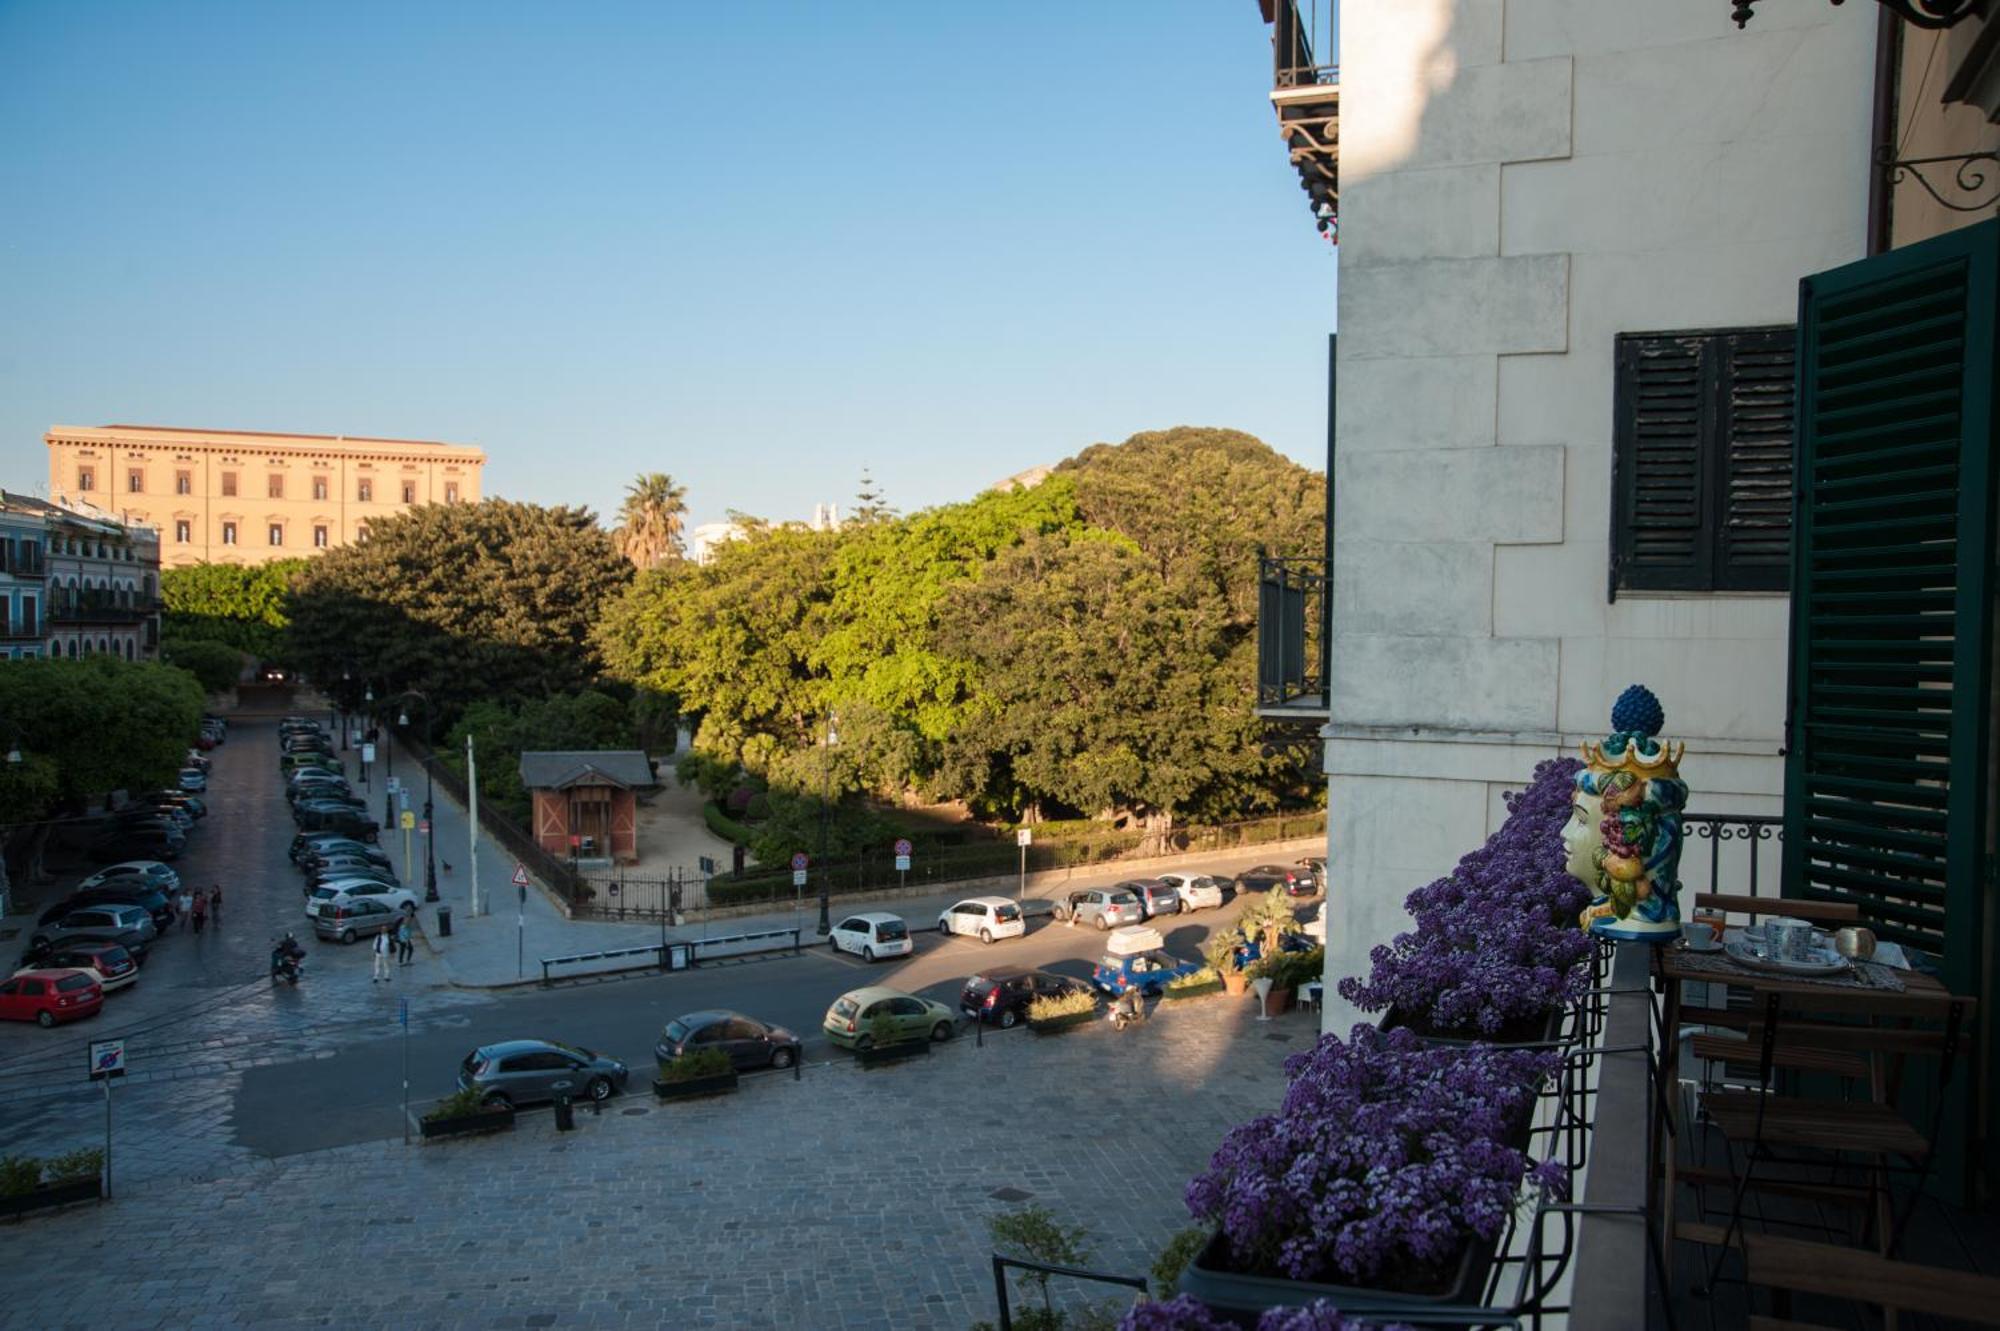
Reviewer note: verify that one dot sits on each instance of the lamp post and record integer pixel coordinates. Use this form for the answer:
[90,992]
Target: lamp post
[825,814]
[14,760]
[430,836]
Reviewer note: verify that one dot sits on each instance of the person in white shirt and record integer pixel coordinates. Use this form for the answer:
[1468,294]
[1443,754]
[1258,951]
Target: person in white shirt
[382,946]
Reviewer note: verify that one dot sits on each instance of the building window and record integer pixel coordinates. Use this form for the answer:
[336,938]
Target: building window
[228,483]
[451,492]
[183,531]
[361,533]
[364,490]
[319,536]
[409,492]
[135,481]
[183,482]
[274,486]
[86,478]
[276,532]
[31,625]
[319,487]
[229,533]
[1702,461]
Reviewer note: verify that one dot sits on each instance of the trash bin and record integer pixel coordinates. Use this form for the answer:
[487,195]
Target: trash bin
[565,1115]
[444,920]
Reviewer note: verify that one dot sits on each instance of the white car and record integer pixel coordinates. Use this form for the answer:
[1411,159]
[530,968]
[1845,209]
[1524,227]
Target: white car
[1316,926]
[128,873]
[986,918]
[871,935]
[1197,891]
[330,894]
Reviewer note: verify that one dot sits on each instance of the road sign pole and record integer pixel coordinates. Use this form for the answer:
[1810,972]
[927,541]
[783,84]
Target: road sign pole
[472,825]
[403,1014]
[107,1139]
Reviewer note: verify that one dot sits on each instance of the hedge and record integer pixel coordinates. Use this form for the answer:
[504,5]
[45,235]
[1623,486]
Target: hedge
[723,825]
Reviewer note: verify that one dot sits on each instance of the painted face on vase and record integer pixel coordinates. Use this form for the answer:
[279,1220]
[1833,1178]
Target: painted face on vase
[1624,836]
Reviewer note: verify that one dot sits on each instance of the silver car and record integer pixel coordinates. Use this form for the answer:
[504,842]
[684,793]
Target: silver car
[516,1072]
[104,921]
[1156,895]
[1102,906]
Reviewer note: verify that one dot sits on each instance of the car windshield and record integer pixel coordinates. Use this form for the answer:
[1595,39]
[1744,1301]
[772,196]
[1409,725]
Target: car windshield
[891,930]
[71,983]
[322,893]
[845,1007]
[1006,914]
[675,1033]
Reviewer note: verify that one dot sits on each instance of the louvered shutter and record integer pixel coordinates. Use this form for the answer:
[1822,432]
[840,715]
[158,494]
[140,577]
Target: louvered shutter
[1659,534]
[1886,772]
[1751,483]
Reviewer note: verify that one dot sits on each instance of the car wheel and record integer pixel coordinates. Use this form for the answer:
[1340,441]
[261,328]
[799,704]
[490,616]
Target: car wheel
[45,1019]
[941,1032]
[1185,908]
[497,1101]
[782,1058]
[865,1042]
[868,955]
[1009,1019]
[599,1089]
[1103,923]
[347,935]
[943,926]
[985,935]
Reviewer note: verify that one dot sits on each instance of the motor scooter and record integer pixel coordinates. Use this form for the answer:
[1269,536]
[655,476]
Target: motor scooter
[1128,1009]
[287,968]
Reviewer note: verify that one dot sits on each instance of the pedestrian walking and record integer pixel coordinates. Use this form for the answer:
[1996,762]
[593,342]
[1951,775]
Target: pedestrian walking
[381,957]
[406,941]
[215,904]
[199,911]
[184,903]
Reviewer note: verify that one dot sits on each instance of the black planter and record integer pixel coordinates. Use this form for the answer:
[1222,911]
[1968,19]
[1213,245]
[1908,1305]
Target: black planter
[1527,1032]
[892,1053]
[48,1196]
[1057,1025]
[721,1083]
[486,1120]
[1243,1297]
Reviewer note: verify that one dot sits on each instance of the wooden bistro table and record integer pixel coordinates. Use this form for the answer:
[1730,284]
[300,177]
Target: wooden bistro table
[1887,989]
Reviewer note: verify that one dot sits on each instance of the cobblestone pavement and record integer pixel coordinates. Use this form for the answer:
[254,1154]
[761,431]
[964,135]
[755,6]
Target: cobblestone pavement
[854,1198]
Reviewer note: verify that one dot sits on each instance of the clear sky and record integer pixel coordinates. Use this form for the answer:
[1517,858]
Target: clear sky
[758,246]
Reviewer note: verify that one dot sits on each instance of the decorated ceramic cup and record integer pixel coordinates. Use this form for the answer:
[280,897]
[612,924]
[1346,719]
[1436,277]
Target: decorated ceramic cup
[1791,940]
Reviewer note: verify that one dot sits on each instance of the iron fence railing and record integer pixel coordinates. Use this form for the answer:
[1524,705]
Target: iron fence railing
[560,876]
[1293,601]
[1305,43]
[1737,853]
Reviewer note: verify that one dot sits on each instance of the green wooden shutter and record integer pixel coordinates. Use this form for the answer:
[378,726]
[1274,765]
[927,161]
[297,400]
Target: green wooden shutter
[1886,774]
[1659,538]
[1751,500]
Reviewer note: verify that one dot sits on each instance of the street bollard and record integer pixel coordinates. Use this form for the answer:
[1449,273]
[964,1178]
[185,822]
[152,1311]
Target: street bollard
[565,1115]
[444,920]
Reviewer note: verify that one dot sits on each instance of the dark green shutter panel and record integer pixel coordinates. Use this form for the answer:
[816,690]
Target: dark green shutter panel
[1752,500]
[1886,781]
[1660,539]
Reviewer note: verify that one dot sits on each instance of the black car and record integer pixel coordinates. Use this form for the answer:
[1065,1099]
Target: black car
[152,899]
[749,1042]
[1000,996]
[306,843]
[1297,881]
[337,818]
[148,842]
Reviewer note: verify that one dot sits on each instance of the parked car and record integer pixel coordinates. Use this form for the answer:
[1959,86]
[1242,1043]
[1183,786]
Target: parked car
[109,920]
[50,996]
[337,818]
[305,785]
[126,892]
[1155,894]
[193,779]
[1296,881]
[306,841]
[360,857]
[1316,926]
[178,799]
[849,1023]
[1101,906]
[331,896]
[1135,957]
[515,1072]
[872,934]
[107,963]
[355,918]
[749,1042]
[195,760]
[319,868]
[158,842]
[986,918]
[1001,996]
[1197,891]
[150,872]
[145,815]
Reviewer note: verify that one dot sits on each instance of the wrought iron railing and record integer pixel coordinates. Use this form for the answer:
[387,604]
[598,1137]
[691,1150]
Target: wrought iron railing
[1754,844]
[1293,604]
[1304,38]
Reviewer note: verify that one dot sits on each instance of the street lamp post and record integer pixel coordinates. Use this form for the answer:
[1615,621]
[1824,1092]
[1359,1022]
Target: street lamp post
[825,814]
[430,835]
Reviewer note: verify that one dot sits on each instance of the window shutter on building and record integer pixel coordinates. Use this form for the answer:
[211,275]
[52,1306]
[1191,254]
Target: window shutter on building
[1886,772]
[1701,463]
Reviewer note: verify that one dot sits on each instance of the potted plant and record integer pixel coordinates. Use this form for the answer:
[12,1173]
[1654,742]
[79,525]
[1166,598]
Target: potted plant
[28,1184]
[886,1044]
[703,1072]
[1386,1175]
[465,1112]
[1224,956]
[1195,984]
[1288,972]
[1054,1013]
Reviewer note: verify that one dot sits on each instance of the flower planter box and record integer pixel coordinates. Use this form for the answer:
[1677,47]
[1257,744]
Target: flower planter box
[1236,983]
[1528,1031]
[49,1196]
[1243,1295]
[892,1053]
[490,1120]
[1195,990]
[1057,1025]
[721,1083]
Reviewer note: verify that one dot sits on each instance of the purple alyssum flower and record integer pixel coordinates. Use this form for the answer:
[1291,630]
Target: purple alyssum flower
[1185,1313]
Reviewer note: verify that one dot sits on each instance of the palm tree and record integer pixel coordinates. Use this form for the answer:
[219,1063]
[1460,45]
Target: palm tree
[649,527]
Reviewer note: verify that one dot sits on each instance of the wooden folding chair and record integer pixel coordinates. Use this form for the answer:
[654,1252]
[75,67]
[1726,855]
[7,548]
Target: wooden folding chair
[1834,913]
[1864,1277]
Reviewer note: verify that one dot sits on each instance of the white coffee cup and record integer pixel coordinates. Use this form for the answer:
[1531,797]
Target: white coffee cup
[1698,933]
[1791,940]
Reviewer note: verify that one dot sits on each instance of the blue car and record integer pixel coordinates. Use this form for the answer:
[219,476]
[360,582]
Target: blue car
[1135,957]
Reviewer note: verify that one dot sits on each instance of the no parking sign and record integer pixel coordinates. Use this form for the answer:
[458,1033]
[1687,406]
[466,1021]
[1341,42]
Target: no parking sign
[107,1059]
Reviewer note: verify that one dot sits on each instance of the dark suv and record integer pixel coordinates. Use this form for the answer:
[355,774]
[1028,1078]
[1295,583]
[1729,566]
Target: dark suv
[321,816]
[1000,996]
[1297,881]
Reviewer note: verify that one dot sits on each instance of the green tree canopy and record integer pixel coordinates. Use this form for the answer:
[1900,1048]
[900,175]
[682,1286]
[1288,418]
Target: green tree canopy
[215,665]
[493,600]
[241,605]
[92,726]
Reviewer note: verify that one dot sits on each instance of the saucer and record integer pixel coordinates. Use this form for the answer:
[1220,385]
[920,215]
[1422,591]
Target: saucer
[1712,945]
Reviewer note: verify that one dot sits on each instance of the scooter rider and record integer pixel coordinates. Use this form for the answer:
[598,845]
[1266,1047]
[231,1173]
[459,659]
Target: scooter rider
[1129,1006]
[286,954]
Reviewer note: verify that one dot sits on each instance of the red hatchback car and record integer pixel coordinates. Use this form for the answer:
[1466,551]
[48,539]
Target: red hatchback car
[50,996]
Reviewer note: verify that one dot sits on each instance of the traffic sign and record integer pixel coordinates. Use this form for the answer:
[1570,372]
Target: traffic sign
[1024,837]
[367,753]
[798,878]
[403,798]
[799,862]
[409,820]
[395,784]
[107,1059]
[903,845]
[902,864]
[424,826]
[520,874]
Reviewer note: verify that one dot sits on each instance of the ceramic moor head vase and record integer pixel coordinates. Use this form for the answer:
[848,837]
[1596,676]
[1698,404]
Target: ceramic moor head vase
[1624,834]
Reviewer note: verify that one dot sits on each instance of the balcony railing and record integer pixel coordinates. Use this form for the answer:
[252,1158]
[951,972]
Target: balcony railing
[95,611]
[29,630]
[1303,41]
[1293,600]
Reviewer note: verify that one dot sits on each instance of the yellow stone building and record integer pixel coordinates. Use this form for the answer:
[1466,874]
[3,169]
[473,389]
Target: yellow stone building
[245,497]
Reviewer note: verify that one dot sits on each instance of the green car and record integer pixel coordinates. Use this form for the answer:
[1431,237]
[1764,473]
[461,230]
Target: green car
[850,1022]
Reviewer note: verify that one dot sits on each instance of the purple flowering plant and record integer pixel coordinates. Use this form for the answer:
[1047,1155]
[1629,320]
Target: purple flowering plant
[1185,1313]
[1386,1159]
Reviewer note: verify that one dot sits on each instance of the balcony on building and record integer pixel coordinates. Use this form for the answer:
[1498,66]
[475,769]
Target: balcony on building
[1293,601]
[1305,94]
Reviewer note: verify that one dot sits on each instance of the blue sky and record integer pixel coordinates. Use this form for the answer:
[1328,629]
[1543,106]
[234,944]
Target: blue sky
[758,246]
